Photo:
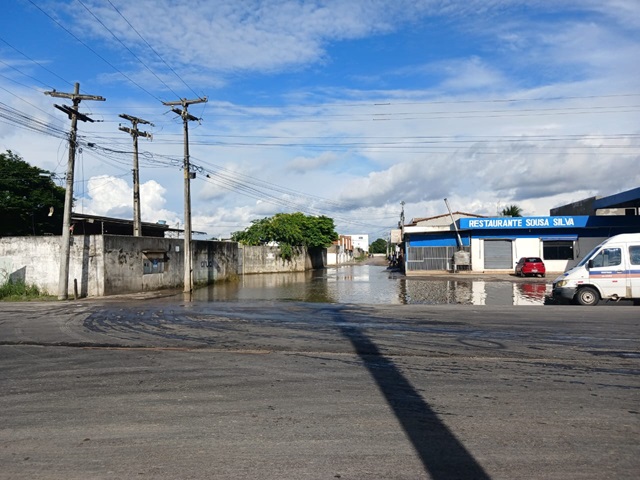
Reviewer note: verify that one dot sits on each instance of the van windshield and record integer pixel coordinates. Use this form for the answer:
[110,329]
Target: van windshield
[588,256]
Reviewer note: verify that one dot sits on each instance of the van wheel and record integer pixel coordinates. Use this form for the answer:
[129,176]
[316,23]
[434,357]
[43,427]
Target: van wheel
[587,296]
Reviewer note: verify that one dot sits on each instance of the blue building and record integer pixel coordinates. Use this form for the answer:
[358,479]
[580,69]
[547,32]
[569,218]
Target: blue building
[496,243]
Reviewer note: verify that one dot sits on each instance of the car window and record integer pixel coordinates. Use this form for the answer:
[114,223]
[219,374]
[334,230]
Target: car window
[634,254]
[608,257]
[533,260]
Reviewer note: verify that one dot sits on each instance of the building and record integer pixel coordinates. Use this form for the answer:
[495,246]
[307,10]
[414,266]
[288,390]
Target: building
[496,243]
[360,242]
[82,224]
[624,203]
[430,243]
[341,251]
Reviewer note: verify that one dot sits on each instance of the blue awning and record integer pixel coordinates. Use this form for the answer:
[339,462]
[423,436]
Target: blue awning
[559,237]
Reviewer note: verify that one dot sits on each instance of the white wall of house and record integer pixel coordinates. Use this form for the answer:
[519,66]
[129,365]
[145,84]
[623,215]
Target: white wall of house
[524,247]
[360,241]
[338,255]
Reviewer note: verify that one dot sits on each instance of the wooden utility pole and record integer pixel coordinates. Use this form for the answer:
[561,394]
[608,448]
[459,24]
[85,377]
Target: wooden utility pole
[135,133]
[74,116]
[184,114]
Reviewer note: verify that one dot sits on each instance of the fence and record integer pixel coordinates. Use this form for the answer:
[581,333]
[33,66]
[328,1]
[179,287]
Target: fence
[431,258]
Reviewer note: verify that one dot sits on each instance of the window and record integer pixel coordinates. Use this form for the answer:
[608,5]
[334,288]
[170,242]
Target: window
[634,254]
[152,265]
[557,249]
[608,257]
[154,261]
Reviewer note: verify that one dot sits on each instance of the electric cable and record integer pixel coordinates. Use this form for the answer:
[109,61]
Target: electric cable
[153,50]
[96,53]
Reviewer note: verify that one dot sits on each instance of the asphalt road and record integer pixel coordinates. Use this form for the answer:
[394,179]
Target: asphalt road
[166,389]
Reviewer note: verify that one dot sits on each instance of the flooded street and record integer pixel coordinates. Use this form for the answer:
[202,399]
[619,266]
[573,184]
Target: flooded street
[257,387]
[374,284]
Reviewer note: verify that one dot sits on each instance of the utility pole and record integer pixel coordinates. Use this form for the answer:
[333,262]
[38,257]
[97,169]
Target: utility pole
[184,114]
[135,133]
[74,116]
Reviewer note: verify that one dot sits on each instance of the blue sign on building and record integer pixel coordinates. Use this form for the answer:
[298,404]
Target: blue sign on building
[523,222]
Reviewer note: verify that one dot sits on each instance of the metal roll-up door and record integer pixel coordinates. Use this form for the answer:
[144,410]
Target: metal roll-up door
[497,254]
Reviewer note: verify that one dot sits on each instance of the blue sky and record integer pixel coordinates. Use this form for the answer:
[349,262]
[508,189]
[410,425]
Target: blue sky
[340,108]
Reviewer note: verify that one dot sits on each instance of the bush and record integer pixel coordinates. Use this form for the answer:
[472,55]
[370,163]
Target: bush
[18,290]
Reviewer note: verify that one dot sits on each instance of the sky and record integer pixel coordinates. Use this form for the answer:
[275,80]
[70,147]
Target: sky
[353,109]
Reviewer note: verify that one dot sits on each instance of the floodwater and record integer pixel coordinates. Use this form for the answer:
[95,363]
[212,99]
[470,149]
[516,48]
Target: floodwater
[371,284]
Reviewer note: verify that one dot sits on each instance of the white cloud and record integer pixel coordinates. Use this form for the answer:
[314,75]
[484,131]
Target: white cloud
[467,75]
[306,164]
[439,130]
[231,35]
[113,197]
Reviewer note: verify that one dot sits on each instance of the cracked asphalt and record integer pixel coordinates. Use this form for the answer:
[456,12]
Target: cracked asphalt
[164,388]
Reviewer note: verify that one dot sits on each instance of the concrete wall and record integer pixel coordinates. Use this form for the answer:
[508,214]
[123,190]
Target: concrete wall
[264,259]
[107,265]
[36,260]
[215,261]
[124,259]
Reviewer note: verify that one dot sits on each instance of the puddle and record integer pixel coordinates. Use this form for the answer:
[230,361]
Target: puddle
[369,284]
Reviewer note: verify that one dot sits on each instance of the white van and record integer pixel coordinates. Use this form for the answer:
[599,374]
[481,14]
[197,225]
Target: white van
[610,271]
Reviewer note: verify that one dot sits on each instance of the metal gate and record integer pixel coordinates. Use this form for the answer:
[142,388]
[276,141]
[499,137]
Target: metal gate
[498,255]
[431,258]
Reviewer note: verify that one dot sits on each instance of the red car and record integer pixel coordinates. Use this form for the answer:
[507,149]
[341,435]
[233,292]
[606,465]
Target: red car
[530,266]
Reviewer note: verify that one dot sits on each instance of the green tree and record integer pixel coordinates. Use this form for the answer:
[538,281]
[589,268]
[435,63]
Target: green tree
[378,246]
[511,211]
[289,230]
[30,204]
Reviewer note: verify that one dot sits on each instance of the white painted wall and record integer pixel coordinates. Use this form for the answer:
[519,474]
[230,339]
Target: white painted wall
[524,247]
[360,241]
[36,260]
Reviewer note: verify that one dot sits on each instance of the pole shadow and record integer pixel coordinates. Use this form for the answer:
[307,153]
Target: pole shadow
[444,457]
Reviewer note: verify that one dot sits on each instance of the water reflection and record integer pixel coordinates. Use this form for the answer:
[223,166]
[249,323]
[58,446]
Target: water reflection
[367,284]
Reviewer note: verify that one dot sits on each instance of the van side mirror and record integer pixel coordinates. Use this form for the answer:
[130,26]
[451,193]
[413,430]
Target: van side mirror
[589,264]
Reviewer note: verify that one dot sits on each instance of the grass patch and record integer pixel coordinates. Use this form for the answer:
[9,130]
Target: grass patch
[18,291]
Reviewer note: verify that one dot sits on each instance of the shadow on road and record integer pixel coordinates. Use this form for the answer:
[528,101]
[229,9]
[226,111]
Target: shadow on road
[441,453]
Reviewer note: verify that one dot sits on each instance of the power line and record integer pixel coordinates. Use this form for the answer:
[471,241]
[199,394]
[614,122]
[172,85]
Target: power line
[296,200]
[245,190]
[95,53]
[21,120]
[38,64]
[231,174]
[369,115]
[153,50]
[444,102]
[408,145]
[125,46]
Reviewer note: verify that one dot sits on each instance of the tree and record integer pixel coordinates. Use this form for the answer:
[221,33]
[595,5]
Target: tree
[289,230]
[30,203]
[378,246]
[511,211]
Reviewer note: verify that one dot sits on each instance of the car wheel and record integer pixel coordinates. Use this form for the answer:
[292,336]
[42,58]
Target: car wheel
[587,296]
[542,275]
